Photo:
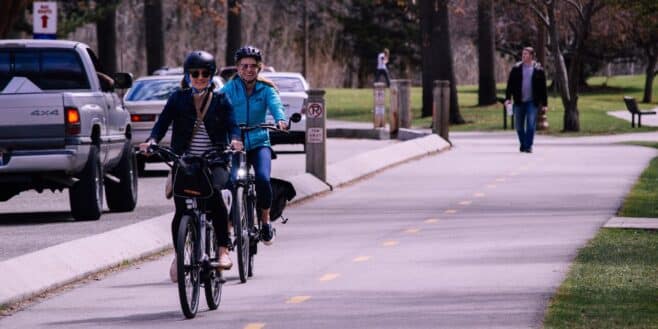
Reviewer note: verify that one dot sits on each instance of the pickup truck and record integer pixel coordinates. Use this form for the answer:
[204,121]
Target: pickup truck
[62,125]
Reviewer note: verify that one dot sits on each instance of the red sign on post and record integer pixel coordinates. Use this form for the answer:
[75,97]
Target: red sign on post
[315,110]
[44,22]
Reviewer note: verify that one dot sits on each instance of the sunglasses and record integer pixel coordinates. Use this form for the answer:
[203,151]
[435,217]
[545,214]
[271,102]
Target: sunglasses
[248,66]
[204,73]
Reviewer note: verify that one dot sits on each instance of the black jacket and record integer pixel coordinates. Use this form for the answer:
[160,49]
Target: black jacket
[219,120]
[538,84]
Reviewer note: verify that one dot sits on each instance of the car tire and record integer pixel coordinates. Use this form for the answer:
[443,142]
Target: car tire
[122,196]
[86,195]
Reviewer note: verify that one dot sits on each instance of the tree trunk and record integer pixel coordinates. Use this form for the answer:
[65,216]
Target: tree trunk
[427,22]
[154,35]
[650,74]
[233,31]
[107,41]
[540,49]
[442,52]
[486,46]
[570,118]
[10,12]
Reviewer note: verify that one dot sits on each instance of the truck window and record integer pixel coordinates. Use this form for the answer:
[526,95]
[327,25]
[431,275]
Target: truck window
[49,69]
[4,70]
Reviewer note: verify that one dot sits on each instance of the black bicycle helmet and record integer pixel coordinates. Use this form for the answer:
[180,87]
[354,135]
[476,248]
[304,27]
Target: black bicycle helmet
[200,59]
[248,51]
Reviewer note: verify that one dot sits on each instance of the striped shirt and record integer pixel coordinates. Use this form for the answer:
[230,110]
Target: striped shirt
[200,140]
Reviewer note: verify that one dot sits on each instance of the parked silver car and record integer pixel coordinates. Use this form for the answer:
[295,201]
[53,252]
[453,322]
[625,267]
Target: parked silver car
[292,88]
[145,100]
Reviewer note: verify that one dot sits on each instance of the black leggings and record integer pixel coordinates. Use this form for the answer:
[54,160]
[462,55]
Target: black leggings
[215,206]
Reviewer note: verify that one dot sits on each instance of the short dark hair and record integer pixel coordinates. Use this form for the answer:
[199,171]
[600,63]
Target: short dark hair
[530,50]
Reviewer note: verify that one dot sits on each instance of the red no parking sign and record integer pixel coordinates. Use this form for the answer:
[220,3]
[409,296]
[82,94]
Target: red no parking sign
[315,110]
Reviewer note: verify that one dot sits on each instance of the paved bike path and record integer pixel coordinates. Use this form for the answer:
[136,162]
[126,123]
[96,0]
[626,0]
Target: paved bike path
[30,274]
[477,237]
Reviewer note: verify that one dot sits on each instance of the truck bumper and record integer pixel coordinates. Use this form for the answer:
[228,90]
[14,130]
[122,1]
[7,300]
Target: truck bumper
[69,160]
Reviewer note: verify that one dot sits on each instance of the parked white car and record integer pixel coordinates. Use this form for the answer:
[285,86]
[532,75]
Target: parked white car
[293,91]
[145,100]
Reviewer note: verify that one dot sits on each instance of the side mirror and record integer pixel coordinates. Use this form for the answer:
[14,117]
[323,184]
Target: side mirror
[123,80]
[295,117]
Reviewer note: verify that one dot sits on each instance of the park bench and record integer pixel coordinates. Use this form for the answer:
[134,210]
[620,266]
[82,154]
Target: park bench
[631,106]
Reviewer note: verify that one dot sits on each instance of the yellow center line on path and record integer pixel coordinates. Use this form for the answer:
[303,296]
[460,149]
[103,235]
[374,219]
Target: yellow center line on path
[390,243]
[297,299]
[361,259]
[255,325]
[431,221]
[329,276]
[450,211]
[465,202]
[478,194]
[412,230]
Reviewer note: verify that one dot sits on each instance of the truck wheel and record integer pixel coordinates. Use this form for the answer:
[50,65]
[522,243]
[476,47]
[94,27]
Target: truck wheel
[122,196]
[86,195]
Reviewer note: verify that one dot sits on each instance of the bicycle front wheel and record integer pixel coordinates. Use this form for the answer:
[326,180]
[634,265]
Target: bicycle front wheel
[188,267]
[241,228]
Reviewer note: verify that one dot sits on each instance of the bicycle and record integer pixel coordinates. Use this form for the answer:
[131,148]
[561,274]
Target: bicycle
[197,252]
[247,224]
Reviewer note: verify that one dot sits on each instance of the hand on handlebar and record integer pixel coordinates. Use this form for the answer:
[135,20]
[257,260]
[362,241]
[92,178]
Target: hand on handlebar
[236,144]
[282,124]
[146,147]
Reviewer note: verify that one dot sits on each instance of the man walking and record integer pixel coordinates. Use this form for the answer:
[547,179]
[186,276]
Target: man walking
[382,69]
[527,86]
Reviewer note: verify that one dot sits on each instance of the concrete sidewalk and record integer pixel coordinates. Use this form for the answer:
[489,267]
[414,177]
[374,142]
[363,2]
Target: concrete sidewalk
[31,274]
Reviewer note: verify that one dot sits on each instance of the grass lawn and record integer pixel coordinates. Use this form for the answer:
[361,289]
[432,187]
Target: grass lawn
[357,105]
[613,282]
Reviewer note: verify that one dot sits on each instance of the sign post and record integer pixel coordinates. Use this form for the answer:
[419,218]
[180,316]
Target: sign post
[379,112]
[44,20]
[316,135]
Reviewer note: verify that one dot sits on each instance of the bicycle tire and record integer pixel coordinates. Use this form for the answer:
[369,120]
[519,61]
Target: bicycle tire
[213,280]
[187,267]
[251,220]
[241,230]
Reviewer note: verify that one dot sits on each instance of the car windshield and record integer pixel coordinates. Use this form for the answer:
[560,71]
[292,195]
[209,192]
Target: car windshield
[287,84]
[151,90]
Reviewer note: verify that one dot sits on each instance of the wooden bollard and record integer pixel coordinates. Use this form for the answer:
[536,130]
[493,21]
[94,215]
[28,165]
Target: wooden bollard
[441,106]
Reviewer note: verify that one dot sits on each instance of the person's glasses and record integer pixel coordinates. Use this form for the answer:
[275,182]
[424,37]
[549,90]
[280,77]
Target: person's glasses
[195,73]
[248,66]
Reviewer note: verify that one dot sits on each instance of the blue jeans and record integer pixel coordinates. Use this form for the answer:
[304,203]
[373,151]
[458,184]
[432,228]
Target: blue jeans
[525,116]
[261,159]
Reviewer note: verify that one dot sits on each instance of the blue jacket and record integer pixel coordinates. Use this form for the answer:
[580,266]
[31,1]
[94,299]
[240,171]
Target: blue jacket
[179,110]
[251,110]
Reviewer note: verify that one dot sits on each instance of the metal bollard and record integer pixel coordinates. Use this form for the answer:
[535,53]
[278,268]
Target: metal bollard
[441,108]
[379,112]
[316,135]
[394,118]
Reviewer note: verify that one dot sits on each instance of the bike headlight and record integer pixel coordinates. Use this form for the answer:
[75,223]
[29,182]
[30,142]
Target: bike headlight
[242,173]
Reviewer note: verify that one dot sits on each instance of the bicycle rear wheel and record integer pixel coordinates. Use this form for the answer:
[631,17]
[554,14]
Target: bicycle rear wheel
[212,281]
[241,228]
[187,266]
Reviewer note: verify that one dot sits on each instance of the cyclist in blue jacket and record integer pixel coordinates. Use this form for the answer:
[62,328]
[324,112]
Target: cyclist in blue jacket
[251,98]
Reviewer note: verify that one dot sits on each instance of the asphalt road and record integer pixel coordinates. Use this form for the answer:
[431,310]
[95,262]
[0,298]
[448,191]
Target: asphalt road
[476,237]
[32,221]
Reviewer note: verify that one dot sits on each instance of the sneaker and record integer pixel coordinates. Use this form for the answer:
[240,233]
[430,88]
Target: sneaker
[173,273]
[225,262]
[267,234]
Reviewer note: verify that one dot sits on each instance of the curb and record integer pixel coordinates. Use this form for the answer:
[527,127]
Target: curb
[632,222]
[31,274]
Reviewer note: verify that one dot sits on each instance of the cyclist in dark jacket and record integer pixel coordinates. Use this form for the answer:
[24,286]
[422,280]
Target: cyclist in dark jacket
[202,120]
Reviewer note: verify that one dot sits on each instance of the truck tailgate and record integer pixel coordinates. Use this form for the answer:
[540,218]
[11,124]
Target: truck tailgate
[31,121]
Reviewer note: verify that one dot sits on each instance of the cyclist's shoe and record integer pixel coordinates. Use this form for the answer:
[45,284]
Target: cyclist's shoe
[173,273]
[225,262]
[267,234]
